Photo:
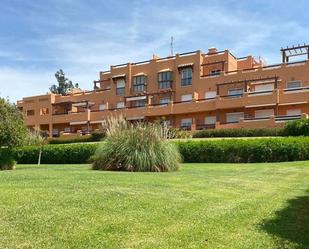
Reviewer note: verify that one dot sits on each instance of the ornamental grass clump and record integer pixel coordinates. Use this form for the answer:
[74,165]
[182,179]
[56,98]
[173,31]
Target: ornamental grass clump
[136,147]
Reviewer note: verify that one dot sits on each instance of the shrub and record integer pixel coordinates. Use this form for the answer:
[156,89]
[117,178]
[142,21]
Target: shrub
[179,133]
[192,151]
[262,132]
[245,150]
[297,128]
[94,137]
[6,159]
[138,147]
[56,154]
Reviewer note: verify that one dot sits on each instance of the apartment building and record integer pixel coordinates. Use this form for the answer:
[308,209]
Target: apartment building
[192,91]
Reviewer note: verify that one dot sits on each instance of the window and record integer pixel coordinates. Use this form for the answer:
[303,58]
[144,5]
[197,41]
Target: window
[264,113]
[30,113]
[44,111]
[264,88]
[55,132]
[186,123]
[139,83]
[210,95]
[140,103]
[102,107]
[120,105]
[120,87]
[236,92]
[209,120]
[164,101]
[293,84]
[234,117]
[215,72]
[67,130]
[293,112]
[186,98]
[186,76]
[165,79]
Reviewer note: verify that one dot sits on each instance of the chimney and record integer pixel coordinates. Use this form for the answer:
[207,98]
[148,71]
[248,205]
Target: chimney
[212,50]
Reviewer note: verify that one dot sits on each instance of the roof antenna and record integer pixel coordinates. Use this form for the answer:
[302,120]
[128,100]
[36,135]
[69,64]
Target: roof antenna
[172,46]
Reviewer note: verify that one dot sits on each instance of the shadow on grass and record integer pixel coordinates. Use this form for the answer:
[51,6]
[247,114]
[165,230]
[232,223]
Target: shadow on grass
[291,223]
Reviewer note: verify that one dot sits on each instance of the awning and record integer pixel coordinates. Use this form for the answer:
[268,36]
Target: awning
[136,98]
[165,70]
[293,103]
[97,122]
[82,104]
[119,76]
[79,123]
[135,118]
[140,74]
[185,65]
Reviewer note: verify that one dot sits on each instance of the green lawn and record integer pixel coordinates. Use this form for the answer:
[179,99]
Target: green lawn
[202,206]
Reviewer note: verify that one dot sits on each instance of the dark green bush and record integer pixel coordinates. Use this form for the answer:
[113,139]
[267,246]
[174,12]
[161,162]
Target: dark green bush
[241,132]
[297,128]
[56,154]
[198,151]
[245,150]
[6,159]
[94,137]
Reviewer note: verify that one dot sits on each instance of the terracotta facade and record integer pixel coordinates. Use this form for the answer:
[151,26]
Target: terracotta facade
[195,90]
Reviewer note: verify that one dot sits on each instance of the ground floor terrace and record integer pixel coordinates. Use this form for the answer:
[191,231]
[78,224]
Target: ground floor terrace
[241,117]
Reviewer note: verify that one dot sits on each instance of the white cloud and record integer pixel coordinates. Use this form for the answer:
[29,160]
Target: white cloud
[96,43]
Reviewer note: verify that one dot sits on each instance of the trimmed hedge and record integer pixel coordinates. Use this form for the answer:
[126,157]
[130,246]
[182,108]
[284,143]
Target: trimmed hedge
[192,151]
[241,132]
[297,127]
[56,154]
[94,137]
[245,150]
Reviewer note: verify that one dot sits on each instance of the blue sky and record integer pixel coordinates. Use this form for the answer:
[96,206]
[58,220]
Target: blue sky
[84,37]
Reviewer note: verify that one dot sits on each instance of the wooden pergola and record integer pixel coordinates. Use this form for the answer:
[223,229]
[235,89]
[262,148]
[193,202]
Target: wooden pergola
[294,51]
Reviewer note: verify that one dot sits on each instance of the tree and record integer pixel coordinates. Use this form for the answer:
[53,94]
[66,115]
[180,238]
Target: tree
[12,129]
[64,84]
[13,133]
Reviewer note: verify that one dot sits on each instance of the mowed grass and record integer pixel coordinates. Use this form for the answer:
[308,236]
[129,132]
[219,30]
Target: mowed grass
[201,206]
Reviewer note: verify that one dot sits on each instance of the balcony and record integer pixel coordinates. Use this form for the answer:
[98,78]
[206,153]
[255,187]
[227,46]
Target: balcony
[71,117]
[294,96]
[231,101]
[263,98]
[159,109]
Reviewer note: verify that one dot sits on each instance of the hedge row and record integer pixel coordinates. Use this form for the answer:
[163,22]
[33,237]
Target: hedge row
[241,132]
[245,150]
[192,151]
[94,137]
[56,154]
[292,128]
